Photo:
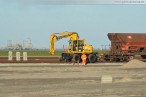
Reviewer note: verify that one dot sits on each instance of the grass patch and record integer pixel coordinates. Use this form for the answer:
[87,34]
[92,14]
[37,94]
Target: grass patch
[40,52]
[31,53]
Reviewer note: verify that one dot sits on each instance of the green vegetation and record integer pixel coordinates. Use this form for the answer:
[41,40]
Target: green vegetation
[40,52]
[31,53]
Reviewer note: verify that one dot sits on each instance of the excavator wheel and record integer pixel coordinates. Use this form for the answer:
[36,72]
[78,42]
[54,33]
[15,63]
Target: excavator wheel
[92,58]
[143,56]
[76,58]
[66,57]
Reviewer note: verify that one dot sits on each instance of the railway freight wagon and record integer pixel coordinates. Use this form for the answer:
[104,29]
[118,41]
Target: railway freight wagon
[126,46]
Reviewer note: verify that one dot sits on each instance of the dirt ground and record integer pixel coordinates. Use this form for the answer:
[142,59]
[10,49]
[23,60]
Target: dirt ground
[67,80]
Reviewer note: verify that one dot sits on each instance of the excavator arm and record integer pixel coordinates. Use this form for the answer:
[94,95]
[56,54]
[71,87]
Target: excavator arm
[53,39]
[57,36]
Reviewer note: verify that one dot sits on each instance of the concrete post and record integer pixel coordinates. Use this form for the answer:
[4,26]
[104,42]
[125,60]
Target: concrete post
[17,56]
[24,56]
[10,55]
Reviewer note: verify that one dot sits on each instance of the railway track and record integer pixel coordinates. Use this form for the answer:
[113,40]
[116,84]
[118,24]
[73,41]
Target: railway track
[42,60]
[31,60]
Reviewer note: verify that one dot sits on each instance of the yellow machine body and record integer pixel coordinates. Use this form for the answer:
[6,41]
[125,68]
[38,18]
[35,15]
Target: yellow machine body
[75,45]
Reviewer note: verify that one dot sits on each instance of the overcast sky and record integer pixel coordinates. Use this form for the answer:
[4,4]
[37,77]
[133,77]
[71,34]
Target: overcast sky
[20,20]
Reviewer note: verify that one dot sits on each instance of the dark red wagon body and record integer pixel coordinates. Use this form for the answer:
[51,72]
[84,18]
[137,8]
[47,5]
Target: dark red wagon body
[127,45]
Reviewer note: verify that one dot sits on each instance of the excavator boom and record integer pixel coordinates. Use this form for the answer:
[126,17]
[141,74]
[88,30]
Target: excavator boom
[53,39]
[57,36]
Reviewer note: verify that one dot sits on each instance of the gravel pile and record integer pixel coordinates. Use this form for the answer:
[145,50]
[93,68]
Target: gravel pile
[135,64]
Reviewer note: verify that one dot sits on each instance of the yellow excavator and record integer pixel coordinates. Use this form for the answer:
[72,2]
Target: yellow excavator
[76,47]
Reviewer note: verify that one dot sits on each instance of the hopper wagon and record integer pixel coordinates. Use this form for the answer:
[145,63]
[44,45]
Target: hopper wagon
[126,46]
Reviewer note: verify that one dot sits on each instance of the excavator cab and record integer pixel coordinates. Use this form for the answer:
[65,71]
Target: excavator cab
[81,45]
[75,46]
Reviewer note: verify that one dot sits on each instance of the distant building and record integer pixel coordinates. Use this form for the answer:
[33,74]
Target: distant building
[26,45]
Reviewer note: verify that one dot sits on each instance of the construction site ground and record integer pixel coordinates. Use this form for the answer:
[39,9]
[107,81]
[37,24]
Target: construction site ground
[68,80]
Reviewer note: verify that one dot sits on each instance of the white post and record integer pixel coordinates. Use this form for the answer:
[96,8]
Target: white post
[10,55]
[24,56]
[17,56]
[106,79]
